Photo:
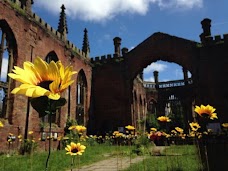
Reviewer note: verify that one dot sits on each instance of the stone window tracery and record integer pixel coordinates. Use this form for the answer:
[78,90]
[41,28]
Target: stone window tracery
[7,49]
[81,98]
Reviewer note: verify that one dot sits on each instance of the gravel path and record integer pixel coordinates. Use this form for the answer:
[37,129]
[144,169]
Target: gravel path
[111,164]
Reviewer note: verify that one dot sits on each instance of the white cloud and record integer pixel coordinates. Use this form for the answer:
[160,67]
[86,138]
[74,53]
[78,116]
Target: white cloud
[180,4]
[150,79]
[131,48]
[178,74]
[102,10]
[105,37]
[155,67]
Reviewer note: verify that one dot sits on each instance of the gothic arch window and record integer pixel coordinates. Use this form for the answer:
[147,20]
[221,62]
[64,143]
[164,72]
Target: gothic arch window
[175,110]
[152,106]
[51,56]
[55,118]
[81,98]
[7,53]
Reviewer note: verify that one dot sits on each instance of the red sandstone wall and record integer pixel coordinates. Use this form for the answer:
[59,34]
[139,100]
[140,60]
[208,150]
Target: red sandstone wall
[139,105]
[108,89]
[113,97]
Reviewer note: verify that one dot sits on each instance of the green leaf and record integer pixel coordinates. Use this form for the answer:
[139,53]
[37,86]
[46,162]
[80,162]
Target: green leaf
[41,105]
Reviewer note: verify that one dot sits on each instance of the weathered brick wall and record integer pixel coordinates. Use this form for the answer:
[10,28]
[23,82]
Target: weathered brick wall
[113,92]
[37,39]
[108,90]
[212,78]
[139,104]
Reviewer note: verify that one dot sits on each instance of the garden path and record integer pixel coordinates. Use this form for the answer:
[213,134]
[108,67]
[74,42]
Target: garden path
[111,164]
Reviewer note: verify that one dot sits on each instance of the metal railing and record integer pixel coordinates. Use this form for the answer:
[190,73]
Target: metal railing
[167,84]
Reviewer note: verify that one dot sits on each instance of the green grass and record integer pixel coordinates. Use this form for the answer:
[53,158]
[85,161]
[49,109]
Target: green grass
[58,161]
[175,158]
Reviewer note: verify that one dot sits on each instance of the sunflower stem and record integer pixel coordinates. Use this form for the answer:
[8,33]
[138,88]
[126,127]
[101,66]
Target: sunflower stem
[72,163]
[49,148]
[78,163]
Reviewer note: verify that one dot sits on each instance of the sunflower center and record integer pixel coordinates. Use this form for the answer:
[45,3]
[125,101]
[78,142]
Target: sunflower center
[205,115]
[75,150]
[45,84]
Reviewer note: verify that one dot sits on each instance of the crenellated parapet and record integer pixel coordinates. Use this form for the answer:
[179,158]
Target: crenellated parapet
[109,58]
[206,38]
[217,39]
[16,4]
[58,35]
[213,40]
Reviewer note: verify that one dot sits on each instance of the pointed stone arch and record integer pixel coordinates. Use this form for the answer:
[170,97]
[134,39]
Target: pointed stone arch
[51,56]
[161,46]
[151,105]
[164,47]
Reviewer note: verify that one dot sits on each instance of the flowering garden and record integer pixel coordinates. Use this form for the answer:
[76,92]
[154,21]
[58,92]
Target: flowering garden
[80,149]
[177,150]
[164,149]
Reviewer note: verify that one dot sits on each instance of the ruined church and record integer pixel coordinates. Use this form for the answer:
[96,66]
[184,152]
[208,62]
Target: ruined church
[108,91]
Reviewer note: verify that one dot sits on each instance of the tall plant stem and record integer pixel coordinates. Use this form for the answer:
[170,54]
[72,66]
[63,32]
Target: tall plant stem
[78,163]
[49,148]
[72,163]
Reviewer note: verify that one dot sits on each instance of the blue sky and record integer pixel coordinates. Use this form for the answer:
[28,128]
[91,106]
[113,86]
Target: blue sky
[134,21]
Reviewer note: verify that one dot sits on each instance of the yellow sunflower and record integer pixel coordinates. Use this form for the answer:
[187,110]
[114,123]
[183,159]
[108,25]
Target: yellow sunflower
[153,129]
[75,149]
[225,125]
[130,128]
[174,131]
[164,119]
[178,129]
[30,132]
[73,127]
[78,128]
[1,124]
[115,132]
[42,78]
[194,126]
[207,111]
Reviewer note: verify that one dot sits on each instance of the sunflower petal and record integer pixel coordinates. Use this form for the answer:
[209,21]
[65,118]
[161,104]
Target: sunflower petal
[53,96]
[53,71]
[42,79]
